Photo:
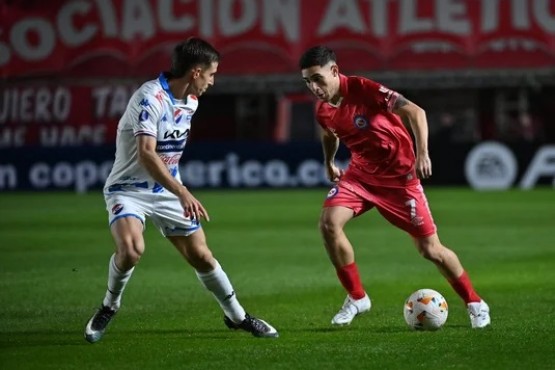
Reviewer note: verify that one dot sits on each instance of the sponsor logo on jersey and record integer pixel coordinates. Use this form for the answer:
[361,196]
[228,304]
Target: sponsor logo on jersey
[176,134]
[333,192]
[143,116]
[116,209]
[168,146]
[170,159]
[360,121]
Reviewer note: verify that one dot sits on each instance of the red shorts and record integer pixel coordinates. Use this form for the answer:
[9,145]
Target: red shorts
[405,207]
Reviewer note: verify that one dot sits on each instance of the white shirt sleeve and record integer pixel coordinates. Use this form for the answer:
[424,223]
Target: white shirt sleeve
[147,113]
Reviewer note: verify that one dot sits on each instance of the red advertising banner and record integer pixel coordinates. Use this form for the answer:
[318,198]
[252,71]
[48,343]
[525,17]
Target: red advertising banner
[61,115]
[134,37]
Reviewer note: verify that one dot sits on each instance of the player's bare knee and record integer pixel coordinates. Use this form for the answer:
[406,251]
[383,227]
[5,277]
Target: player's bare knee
[131,258]
[125,261]
[130,251]
[430,250]
[202,262]
[328,227]
[433,255]
[201,258]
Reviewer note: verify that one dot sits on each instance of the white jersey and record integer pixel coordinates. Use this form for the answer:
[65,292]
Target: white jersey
[153,111]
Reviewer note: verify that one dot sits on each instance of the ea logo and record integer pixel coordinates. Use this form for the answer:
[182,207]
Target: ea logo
[490,166]
[333,192]
[360,122]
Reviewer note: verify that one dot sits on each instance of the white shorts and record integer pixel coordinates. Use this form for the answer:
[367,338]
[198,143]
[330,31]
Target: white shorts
[164,209]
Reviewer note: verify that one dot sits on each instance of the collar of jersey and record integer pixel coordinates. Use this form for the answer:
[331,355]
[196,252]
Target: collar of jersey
[164,82]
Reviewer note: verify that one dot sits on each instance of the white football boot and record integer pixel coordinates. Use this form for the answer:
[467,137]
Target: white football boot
[479,314]
[351,308]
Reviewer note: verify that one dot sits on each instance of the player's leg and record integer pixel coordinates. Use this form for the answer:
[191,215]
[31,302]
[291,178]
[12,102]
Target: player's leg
[127,233]
[444,258]
[210,273]
[340,207]
[450,266]
[407,208]
[128,237]
[126,216]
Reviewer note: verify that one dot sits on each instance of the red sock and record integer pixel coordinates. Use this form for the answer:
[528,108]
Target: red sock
[464,288]
[350,279]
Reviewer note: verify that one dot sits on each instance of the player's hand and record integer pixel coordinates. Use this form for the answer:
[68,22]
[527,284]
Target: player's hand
[334,173]
[192,208]
[423,166]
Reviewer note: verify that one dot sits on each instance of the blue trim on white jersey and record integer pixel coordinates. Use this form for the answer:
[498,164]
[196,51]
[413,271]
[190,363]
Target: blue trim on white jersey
[170,146]
[124,186]
[164,83]
[171,149]
[143,184]
[157,188]
[181,231]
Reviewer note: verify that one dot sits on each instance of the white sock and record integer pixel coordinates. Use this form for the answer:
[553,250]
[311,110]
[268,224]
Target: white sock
[117,280]
[218,283]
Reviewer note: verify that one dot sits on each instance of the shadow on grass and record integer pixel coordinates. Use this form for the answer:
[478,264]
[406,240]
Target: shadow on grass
[51,337]
[38,338]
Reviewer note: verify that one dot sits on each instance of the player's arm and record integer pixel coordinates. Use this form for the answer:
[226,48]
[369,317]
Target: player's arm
[149,159]
[418,123]
[330,144]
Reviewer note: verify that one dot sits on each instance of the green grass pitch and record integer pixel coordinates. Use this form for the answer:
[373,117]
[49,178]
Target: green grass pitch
[53,266]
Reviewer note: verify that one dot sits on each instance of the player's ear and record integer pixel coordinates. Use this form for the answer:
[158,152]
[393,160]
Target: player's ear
[196,72]
[334,70]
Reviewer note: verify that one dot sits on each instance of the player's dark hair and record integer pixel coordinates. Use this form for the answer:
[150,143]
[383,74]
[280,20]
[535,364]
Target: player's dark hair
[317,56]
[192,52]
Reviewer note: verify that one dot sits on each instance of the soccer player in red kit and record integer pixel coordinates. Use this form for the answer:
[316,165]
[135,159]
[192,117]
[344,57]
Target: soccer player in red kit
[383,173]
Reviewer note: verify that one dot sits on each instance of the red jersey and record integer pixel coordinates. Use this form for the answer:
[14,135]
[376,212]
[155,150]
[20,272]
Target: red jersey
[381,148]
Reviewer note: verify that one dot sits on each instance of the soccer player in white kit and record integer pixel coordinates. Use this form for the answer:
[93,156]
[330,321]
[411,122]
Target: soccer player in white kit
[145,183]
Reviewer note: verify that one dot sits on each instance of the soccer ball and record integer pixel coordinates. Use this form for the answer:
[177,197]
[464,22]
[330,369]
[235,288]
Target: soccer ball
[425,309]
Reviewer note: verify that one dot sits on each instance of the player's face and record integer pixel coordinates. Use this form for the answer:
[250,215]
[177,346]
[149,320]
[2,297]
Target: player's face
[323,81]
[203,78]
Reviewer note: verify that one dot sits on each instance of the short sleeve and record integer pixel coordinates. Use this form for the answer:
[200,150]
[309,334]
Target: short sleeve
[147,113]
[381,97]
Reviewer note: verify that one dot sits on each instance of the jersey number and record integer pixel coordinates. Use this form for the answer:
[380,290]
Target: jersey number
[412,204]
